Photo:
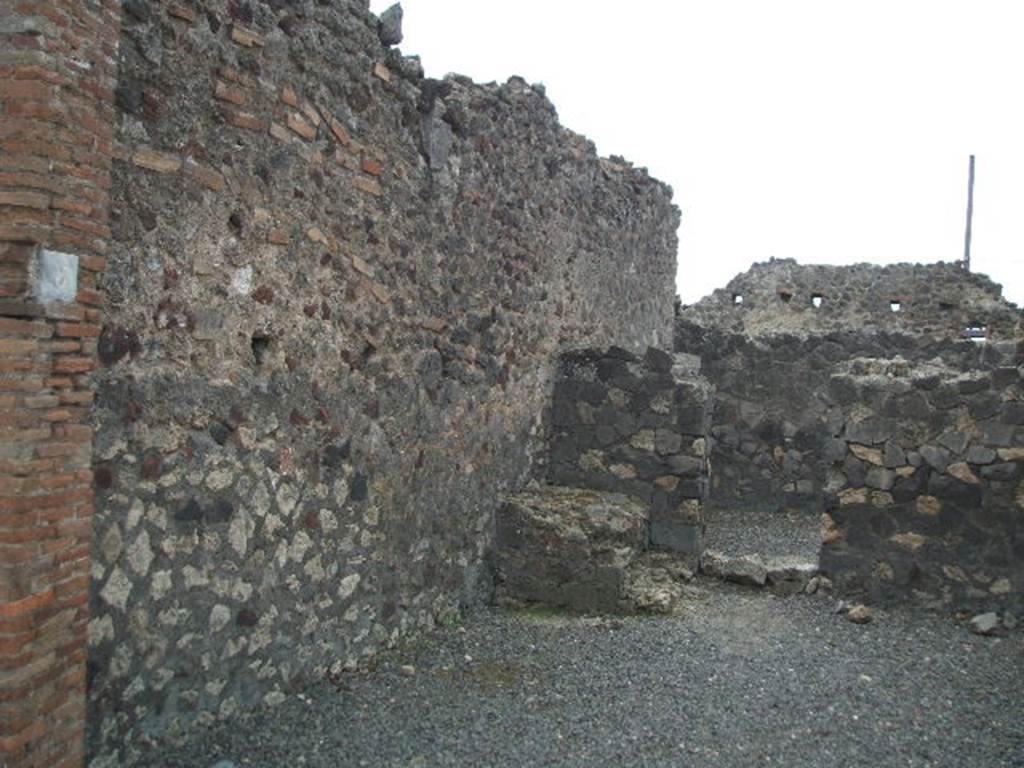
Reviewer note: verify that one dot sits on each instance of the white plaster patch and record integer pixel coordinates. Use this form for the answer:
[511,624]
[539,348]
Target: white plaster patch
[241,281]
[56,276]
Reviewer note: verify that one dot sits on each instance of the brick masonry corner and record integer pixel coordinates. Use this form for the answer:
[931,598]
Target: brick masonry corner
[58,69]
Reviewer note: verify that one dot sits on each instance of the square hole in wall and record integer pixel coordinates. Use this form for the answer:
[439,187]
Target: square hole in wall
[785,296]
[737,298]
[976,332]
[260,343]
[895,305]
[817,300]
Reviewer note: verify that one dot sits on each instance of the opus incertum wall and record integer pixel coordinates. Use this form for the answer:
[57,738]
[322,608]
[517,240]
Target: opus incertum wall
[928,500]
[336,292]
[638,426]
[769,351]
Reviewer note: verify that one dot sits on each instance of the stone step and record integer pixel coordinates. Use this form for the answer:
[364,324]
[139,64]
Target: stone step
[786,574]
[761,548]
[582,550]
[655,582]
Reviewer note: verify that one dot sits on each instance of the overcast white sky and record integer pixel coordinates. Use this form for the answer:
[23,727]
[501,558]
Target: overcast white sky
[824,131]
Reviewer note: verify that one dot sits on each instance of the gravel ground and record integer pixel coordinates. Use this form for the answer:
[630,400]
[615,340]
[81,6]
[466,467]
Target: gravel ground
[764,533]
[741,678]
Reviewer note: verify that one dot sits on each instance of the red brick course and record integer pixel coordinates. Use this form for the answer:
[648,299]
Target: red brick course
[58,73]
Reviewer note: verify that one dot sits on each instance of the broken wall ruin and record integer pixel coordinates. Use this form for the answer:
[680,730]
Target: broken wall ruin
[770,360]
[634,425]
[617,524]
[928,499]
[785,436]
[782,297]
[335,295]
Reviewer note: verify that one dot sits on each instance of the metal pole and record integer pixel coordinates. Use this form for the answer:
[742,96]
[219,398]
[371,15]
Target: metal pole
[970,215]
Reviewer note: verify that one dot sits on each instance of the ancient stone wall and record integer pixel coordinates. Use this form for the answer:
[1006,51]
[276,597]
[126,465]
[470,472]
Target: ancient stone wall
[57,79]
[770,359]
[635,426]
[336,295]
[928,497]
[782,297]
[775,426]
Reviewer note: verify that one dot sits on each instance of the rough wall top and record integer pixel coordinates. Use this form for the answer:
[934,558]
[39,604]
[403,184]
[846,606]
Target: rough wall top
[257,96]
[782,297]
[335,298]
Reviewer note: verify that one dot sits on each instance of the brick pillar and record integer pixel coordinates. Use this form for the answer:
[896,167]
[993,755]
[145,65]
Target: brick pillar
[58,69]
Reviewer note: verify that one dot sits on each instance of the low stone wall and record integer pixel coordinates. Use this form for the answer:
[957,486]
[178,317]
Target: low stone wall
[928,500]
[637,426]
[568,548]
[775,428]
[769,346]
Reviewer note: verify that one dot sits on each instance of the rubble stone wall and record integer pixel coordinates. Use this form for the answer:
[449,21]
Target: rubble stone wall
[781,296]
[776,428]
[335,298]
[928,500]
[636,426]
[771,355]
